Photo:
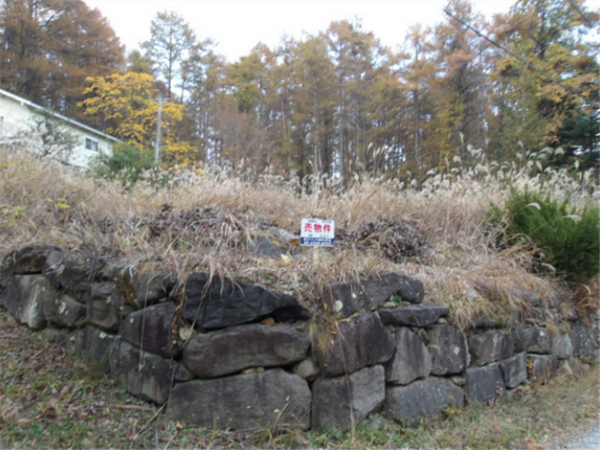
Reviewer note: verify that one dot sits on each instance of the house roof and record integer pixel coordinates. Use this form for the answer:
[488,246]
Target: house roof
[80,125]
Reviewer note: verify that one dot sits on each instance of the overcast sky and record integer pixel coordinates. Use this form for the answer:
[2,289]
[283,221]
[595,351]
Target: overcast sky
[238,25]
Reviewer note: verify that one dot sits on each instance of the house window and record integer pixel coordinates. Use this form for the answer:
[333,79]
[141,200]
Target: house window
[91,144]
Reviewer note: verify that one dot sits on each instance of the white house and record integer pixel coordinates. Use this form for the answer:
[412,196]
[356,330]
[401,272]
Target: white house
[33,127]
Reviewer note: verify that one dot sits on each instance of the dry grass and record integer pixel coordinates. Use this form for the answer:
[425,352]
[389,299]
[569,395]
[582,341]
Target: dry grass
[44,202]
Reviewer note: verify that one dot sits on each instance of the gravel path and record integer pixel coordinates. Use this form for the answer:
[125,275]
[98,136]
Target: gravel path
[590,440]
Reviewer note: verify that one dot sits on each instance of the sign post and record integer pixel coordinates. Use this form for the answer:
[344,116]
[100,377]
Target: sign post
[317,233]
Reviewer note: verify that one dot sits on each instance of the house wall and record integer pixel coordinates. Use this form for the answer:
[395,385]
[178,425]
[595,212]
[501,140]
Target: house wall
[17,126]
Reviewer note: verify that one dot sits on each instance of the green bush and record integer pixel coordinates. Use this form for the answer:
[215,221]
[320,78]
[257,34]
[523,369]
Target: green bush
[566,237]
[128,165]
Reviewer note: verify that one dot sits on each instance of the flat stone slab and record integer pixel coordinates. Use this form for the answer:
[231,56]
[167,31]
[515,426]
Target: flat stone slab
[343,402]
[213,303]
[151,329]
[484,384]
[105,306]
[28,260]
[357,343]
[490,346]
[142,374]
[243,402]
[372,293]
[583,342]
[562,348]
[422,400]
[413,315]
[411,360]
[234,349]
[448,349]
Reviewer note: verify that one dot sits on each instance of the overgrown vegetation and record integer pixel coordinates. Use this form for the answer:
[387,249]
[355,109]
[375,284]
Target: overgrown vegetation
[564,238]
[128,165]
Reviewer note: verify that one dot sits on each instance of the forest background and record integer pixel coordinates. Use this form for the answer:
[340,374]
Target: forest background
[334,104]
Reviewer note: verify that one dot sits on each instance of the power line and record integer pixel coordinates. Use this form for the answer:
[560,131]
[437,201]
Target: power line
[514,55]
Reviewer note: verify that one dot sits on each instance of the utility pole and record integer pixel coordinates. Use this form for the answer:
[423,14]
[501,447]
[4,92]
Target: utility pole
[157,143]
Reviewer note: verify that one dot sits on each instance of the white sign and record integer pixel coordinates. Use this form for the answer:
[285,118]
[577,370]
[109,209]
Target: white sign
[316,232]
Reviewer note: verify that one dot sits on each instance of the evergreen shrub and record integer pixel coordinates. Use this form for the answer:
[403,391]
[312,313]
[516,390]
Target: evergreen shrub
[128,165]
[565,237]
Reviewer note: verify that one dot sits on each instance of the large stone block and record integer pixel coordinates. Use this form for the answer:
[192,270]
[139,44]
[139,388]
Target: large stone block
[243,402]
[63,311]
[372,293]
[75,271]
[534,340]
[413,315]
[222,302]
[28,260]
[360,342]
[92,345]
[105,306]
[541,368]
[448,349]
[514,370]
[490,346]
[24,297]
[484,384]
[584,344]
[411,360]
[342,402]
[146,288]
[562,348]
[153,329]
[142,374]
[422,400]
[255,345]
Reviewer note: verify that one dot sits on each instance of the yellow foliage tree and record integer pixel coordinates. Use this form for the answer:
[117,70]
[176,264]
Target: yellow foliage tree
[126,106]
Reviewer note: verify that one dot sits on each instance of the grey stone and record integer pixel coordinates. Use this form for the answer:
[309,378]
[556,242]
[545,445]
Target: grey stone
[105,306]
[263,246]
[541,368]
[562,347]
[582,339]
[306,369]
[28,260]
[413,315]
[484,384]
[146,288]
[151,329]
[78,271]
[142,374]
[181,373]
[535,340]
[91,345]
[372,293]
[514,370]
[219,303]
[53,267]
[411,360]
[63,311]
[490,346]
[448,349]
[343,402]
[243,402]
[423,400]
[228,351]
[56,335]
[24,297]
[359,342]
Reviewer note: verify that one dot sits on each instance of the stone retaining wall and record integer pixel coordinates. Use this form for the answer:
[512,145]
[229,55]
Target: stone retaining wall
[223,353]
